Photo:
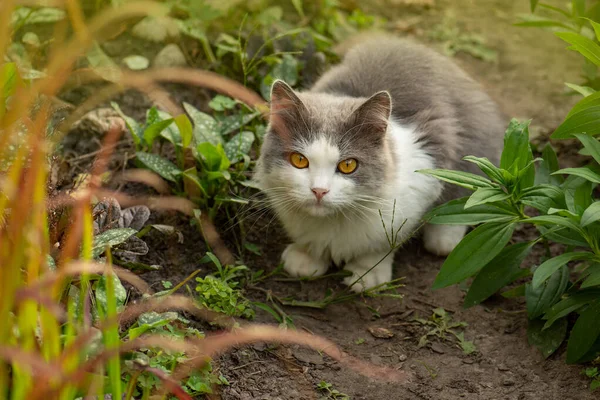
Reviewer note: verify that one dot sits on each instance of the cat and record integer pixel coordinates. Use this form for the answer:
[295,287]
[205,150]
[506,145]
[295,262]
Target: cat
[338,161]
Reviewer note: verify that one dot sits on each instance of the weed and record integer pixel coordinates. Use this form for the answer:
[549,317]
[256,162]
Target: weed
[330,392]
[441,326]
[594,375]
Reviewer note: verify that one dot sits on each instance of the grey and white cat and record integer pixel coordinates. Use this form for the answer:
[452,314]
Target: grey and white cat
[336,155]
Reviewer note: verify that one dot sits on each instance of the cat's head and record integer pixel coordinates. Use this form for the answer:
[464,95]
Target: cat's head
[324,153]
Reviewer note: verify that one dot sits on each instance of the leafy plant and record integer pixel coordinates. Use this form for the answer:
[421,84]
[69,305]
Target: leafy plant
[330,392]
[594,375]
[566,215]
[441,325]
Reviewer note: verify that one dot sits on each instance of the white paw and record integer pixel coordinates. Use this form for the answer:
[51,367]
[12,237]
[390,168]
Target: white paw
[442,239]
[297,262]
[375,277]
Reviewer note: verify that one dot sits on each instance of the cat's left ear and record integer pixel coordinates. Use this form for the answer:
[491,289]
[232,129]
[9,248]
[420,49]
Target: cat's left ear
[374,114]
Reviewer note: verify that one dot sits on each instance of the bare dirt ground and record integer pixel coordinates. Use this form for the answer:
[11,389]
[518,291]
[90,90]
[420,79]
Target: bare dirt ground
[527,81]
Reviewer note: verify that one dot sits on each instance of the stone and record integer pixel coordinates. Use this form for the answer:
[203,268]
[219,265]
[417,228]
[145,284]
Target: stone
[170,56]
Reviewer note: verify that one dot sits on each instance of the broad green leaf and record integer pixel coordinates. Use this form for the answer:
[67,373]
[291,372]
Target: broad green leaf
[132,125]
[549,267]
[153,131]
[44,15]
[460,178]
[501,271]
[593,279]
[235,122]
[564,236]
[591,144]
[585,332]
[103,65]
[565,213]
[585,91]
[239,145]
[222,103]
[185,129]
[548,165]
[591,214]
[287,70]
[487,167]
[190,176]
[547,340]
[513,293]
[586,47]
[172,133]
[205,126]
[553,220]
[486,195]
[543,297]
[213,157]
[596,27]
[101,289]
[515,154]
[160,165]
[543,197]
[110,238]
[582,118]
[476,250]
[583,172]
[453,213]
[569,305]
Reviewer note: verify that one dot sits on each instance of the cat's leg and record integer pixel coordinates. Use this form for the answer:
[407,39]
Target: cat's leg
[376,276]
[298,262]
[442,239]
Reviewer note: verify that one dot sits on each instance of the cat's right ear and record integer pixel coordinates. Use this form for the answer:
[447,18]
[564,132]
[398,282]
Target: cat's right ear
[286,108]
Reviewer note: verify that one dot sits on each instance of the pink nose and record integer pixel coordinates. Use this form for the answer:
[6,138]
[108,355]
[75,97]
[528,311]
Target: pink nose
[319,192]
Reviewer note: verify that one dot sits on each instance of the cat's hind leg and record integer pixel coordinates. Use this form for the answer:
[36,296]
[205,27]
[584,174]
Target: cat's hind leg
[442,239]
[367,276]
[298,262]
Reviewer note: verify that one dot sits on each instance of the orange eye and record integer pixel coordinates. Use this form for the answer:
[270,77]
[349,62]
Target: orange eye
[348,166]
[298,160]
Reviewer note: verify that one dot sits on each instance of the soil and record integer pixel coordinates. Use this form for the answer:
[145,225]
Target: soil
[527,82]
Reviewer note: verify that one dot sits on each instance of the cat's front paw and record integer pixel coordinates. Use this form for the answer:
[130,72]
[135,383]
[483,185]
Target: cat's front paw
[298,263]
[442,239]
[381,274]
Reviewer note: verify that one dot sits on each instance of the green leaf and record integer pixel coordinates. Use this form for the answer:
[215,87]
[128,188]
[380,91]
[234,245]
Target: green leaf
[584,333]
[233,123]
[44,15]
[570,304]
[549,267]
[486,195]
[460,178]
[583,172]
[213,157]
[593,279]
[548,165]
[583,118]
[564,236]
[100,292]
[153,131]
[591,214]
[132,125]
[585,91]
[238,146]
[501,271]
[171,133]
[287,70]
[584,46]
[591,145]
[185,129]
[518,291]
[110,238]
[160,165]
[102,64]
[205,126]
[476,250]
[516,147]
[222,103]
[533,4]
[542,298]
[533,21]
[553,220]
[453,213]
[487,167]
[546,340]
[543,197]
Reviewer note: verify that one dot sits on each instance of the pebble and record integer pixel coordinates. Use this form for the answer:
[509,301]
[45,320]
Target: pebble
[170,56]
[402,357]
[503,367]
[437,348]
[380,333]
[508,382]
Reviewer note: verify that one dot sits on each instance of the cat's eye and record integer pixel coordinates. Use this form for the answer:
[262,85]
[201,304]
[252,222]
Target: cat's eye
[348,166]
[298,160]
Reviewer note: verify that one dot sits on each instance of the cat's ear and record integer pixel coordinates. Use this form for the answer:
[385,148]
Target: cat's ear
[286,108]
[374,114]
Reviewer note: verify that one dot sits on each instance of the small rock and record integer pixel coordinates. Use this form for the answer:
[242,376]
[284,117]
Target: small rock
[380,333]
[468,361]
[508,382]
[156,29]
[437,348]
[308,357]
[402,357]
[503,367]
[170,56]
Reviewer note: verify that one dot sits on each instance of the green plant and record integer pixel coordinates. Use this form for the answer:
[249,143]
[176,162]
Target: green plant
[330,392]
[567,214]
[594,375]
[441,325]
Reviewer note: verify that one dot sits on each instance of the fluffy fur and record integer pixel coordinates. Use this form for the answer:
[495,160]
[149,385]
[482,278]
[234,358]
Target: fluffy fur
[395,107]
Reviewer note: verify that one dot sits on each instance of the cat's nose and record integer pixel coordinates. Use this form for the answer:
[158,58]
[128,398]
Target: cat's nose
[319,192]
